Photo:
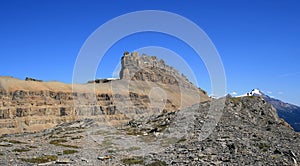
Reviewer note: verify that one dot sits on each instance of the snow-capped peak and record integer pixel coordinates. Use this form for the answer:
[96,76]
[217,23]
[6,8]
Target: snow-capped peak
[255,92]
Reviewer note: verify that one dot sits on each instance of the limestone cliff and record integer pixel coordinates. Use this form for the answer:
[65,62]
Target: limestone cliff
[150,68]
[35,105]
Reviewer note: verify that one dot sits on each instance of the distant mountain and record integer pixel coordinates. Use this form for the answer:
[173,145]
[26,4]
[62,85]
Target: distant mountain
[286,111]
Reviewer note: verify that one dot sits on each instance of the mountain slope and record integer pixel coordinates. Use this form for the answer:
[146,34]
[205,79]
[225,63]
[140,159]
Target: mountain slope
[288,112]
[248,133]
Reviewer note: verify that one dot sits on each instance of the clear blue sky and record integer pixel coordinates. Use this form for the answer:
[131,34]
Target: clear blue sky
[258,41]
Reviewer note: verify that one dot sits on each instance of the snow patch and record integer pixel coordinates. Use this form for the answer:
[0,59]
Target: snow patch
[254,92]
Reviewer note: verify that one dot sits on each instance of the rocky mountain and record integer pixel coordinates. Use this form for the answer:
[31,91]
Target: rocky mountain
[33,105]
[289,112]
[151,116]
[150,68]
[249,132]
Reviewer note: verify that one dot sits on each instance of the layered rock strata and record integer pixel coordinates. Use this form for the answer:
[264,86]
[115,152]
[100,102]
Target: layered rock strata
[34,105]
[150,68]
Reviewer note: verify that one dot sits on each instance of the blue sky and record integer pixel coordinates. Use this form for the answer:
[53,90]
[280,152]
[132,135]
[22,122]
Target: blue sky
[258,41]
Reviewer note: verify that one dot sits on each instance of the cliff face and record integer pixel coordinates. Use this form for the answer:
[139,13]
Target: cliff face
[150,68]
[40,107]
[35,105]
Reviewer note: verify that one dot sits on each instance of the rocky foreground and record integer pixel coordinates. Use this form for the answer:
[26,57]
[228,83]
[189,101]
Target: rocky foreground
[249,133]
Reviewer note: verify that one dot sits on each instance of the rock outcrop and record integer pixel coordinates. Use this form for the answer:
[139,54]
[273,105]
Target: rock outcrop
[289,112]
[33,105]
[248,133]
[32,79]
[105,80]
[150,68]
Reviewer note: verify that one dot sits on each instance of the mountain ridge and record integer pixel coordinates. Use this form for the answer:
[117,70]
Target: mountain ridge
[287,111]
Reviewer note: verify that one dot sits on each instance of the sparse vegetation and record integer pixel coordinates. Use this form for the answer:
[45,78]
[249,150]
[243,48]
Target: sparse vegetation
[21,150]
[264,146]
[75,132]
[16,142]
[131,131]
[69,151]
[107,143]
[33,147]
[10,142]
[157,163]
[56,136]
[111,151]
[77,137]
[42,159]
[59,142]
[181,140]
[6,145]
[68,146]
[133,148]
[134,160]
[236,99]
